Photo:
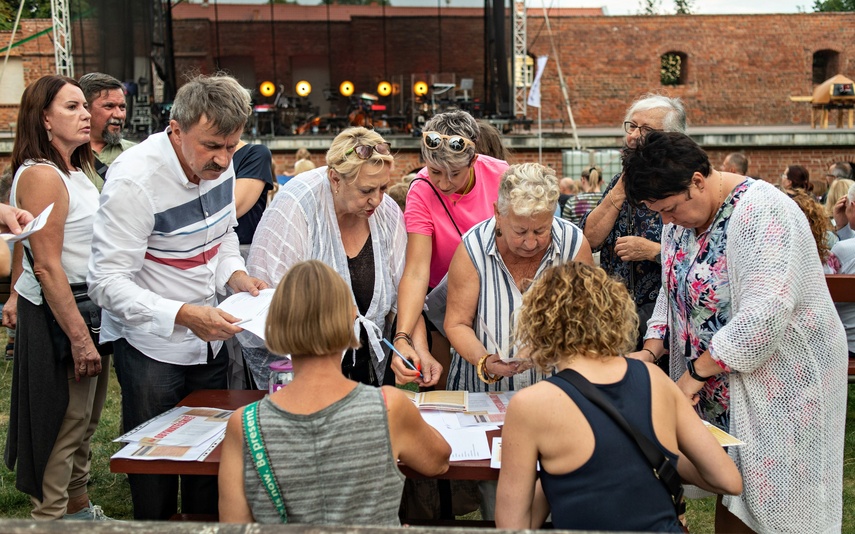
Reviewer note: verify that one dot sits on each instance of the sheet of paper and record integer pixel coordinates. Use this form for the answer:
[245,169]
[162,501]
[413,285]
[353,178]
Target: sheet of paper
[32,227]
[467,444]
[139,451]
[252,311]
[182,426]
[496,457]
[724,439]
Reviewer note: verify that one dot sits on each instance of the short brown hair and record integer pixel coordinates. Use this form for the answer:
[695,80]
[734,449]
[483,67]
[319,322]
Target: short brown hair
[575,309]
[311,313]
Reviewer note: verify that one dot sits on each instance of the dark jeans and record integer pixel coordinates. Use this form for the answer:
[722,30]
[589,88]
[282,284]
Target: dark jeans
[149,388]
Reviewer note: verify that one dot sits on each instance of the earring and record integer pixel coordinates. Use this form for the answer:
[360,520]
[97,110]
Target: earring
[49,136]
[498,232]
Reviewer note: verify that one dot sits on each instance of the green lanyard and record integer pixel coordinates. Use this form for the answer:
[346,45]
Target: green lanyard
[255,444]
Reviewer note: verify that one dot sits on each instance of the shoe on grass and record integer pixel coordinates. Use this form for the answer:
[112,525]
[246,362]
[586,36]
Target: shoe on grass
[91,513]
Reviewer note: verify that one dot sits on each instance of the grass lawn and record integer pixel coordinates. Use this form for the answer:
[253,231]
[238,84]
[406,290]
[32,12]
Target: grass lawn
[112,492]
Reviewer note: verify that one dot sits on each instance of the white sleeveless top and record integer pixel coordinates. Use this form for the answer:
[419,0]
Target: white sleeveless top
[77,243]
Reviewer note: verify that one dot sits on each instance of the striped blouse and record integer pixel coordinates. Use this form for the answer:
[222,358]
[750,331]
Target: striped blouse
[499,297]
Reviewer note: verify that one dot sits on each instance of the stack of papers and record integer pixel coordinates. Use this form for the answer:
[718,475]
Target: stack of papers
[466,431]
[183,433]
[252,311]
[447,401]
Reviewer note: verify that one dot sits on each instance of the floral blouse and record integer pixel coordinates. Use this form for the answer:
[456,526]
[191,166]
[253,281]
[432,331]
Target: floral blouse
[642,278]
[699,298]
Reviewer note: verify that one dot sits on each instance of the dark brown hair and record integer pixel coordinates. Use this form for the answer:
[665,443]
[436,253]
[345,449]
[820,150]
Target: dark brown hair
[799,177]
[31,138]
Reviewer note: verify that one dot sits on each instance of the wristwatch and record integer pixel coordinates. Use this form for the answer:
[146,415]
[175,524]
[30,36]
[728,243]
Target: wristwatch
[690,366]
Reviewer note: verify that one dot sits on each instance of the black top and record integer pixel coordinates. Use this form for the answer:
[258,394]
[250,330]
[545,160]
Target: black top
[253,161]
[616,488]
[361,270]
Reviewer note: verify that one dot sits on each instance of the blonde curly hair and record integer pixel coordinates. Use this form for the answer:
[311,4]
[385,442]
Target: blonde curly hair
[575,309]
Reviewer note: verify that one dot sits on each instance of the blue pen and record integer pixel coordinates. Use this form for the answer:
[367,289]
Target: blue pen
[407,362]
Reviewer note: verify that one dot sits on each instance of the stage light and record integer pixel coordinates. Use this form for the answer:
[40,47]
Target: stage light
[396,88]
[267,88]
[420,88]
[346,88]
[303,88]
[384,89]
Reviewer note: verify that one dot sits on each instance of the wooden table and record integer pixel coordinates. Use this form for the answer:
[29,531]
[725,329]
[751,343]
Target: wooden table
[231,400]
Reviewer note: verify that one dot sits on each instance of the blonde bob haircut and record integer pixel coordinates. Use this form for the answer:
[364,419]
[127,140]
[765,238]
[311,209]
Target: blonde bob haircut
[528,189]
[349,166]
[311,313]
[575,310]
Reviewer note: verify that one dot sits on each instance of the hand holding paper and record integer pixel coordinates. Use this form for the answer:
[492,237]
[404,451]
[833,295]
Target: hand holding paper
[32,227]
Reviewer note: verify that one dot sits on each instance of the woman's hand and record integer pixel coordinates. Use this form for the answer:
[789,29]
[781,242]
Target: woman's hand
[10,311]
[421,359]
[690,387]
[839,211]
[87,361]
[496,367]
[634,248]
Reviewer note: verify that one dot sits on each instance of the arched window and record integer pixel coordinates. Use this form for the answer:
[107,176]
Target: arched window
[826,63]
[673,68]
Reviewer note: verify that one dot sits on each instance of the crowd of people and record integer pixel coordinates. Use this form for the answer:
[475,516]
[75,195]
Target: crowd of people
[709,275]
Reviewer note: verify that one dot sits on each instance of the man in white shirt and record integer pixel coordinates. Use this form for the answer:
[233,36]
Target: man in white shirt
[163,244]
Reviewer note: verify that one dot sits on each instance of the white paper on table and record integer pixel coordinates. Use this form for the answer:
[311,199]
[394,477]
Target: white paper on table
[496,457]
[467,444]
[252,311]
[31,227]
[182,426]
[197,453]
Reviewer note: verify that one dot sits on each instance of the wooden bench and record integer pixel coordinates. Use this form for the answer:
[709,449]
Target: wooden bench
[842,289]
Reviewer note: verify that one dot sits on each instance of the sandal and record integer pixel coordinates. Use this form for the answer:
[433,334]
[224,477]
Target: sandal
[10,350]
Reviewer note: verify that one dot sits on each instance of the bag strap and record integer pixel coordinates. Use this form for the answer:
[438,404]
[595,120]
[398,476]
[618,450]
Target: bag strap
[439,197]
[255,445]
[662,466]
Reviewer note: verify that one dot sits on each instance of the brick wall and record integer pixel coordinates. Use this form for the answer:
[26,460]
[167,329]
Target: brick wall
[741,69]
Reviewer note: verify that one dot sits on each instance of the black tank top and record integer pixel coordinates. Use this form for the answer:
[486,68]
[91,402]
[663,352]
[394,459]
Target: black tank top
[616,488]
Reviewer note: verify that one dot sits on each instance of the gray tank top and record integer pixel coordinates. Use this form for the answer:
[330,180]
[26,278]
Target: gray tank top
[334,466]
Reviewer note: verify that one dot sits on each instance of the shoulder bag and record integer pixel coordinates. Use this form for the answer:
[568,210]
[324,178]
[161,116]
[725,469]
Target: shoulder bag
[256,448]
[662,466]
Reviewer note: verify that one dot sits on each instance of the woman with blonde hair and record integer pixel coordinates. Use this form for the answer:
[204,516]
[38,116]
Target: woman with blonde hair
[330,445]
[339,214]
[593,475]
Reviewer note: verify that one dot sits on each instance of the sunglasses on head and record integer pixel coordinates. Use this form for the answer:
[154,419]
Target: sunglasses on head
[364,151]
[455,143]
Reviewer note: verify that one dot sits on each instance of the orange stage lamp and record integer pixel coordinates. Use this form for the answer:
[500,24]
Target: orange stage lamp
[303,88]
[267,88]
[346,88]
[384,89]
[420,88]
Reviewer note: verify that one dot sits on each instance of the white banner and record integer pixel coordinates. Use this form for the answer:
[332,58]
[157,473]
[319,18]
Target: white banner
[534,92]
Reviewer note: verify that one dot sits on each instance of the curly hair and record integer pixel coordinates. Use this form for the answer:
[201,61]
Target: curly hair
[575,309]
[819,223]
[528,189]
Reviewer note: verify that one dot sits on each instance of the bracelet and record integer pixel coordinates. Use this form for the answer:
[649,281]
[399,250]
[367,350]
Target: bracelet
[655,359]
[403,335]
[483,374]
[690,368]
[612,201]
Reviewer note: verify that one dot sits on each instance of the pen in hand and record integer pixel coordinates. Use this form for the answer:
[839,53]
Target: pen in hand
[407,362]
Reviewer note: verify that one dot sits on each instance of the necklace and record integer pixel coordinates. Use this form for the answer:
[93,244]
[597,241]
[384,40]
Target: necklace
[469,185]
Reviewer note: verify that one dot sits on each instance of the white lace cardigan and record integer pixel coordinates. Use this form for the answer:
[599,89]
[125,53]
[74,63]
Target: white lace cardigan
[300,224]
[787,351]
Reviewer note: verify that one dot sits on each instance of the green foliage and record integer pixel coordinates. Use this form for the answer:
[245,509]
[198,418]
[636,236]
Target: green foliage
[671,69]
[684,7]
[649,7]
[33,9]
[834,5]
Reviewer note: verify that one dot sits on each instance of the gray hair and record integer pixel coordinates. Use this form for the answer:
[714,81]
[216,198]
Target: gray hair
[841,169]
[850,196]
[451,123]
[348,166]
[95,83]
[675,119]
[528,189]
[220,98]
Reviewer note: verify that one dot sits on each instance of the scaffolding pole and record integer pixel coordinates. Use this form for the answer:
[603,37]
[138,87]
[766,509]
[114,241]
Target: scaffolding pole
[62,38]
